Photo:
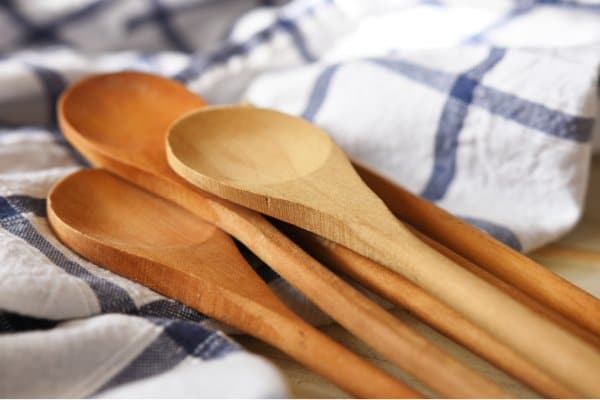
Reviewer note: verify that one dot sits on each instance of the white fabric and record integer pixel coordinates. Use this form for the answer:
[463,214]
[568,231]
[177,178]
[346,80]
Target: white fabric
[486,108]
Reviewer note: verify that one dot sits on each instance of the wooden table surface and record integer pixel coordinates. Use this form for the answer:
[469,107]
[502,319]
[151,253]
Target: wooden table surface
[576,257]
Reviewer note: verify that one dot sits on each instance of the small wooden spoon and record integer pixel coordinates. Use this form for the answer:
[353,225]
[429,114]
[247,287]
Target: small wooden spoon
[151,241]
[119,121]
[288,168]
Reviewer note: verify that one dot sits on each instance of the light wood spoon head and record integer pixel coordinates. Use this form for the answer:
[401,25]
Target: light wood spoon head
[274,163]
[247,146]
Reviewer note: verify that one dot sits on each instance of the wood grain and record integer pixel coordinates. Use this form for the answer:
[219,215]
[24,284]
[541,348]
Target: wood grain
[289,169]
[134,149]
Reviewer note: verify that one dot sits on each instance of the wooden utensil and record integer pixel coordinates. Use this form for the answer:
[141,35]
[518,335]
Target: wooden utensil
[513,267]
[288,168]
[119,121]
[512,291]
[405,294]
[151,241]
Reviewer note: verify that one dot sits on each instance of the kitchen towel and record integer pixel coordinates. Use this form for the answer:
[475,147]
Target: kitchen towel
[486,108]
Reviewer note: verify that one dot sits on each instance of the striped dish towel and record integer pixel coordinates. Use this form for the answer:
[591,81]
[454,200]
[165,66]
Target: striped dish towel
[486,108]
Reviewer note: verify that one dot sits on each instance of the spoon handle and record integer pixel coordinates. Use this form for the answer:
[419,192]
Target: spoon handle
[328,358]
[513,292]
[362,317]
[487,252]
[405,294]
[562,355]
[349,307]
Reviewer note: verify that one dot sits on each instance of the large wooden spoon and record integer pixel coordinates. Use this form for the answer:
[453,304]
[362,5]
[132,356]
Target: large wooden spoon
[151,241]
[119,121]
[288,168]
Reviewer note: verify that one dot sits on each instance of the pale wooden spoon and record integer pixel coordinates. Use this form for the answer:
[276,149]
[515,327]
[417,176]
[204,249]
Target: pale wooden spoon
[119,121]
[290,169]
[160,245]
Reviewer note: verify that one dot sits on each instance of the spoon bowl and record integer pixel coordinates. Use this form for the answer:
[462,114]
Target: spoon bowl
[220,147]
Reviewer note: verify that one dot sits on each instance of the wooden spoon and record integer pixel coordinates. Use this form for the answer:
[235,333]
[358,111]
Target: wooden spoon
[119,121]
[151,241]
[288,168]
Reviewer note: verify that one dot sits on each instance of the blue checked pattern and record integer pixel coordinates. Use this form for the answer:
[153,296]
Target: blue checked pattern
[183,333]
[453,125]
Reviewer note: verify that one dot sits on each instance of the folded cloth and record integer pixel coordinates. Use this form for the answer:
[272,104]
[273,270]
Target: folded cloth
[486,109]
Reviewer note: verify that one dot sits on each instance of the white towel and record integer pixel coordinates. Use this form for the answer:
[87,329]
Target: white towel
[486,108]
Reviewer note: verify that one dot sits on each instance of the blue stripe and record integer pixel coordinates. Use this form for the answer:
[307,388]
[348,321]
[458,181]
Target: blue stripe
[291,27]
[524,112]
[163,18]
[451,123]
[319,92]
[84,12]
[17,204]
[6,210]
[433,78]
[32,32]
[155,310]
[199,341]
[534,115]
[201,63]
[569,4]
[167,308]
[501,233]
[161,355]
[46,33]
[162,15]
[178,340]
